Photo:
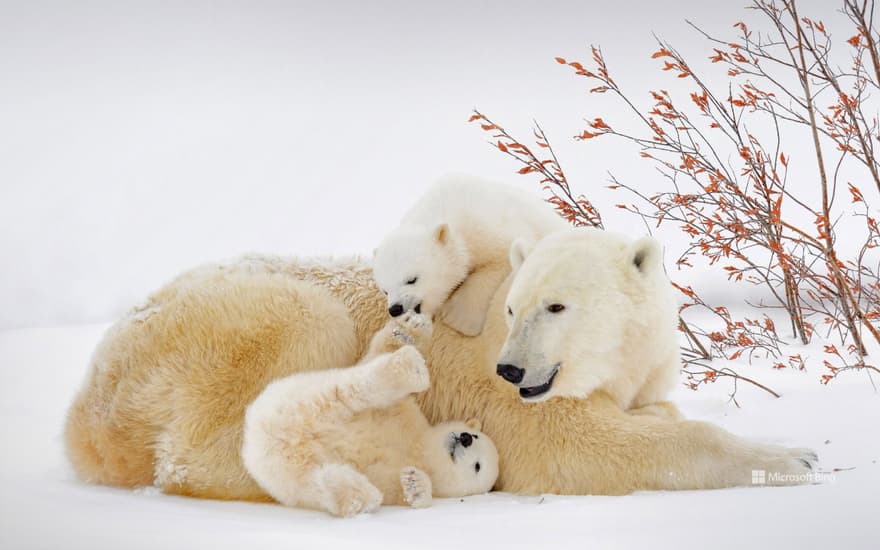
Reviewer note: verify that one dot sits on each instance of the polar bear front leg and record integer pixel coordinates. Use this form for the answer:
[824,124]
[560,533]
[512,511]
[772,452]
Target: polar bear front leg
[688,454]
[662,410]
[416,486]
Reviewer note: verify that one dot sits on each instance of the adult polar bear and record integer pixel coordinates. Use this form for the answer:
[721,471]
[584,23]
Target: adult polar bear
[164,401]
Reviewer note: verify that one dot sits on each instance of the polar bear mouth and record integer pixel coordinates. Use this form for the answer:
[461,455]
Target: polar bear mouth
[537,391]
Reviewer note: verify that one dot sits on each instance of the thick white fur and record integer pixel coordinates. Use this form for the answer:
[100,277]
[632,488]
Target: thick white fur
[453,244]
[617,331]
[346,440]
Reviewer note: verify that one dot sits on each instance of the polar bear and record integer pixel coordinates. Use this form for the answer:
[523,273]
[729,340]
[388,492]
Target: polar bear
[577,304]
[165,396]
[455,238]
[346,440]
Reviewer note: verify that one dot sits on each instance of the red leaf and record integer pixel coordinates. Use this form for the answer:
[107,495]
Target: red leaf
[856,193]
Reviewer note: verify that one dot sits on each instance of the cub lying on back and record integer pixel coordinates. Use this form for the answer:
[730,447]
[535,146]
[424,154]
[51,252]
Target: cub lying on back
[455,239]
[353,438]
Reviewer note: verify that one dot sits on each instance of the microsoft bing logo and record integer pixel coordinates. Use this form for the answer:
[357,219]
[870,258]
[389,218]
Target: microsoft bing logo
[759,477]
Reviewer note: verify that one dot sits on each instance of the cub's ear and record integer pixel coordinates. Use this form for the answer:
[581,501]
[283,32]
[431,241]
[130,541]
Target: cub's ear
[646,254]
[441,233]
[474,424]
[519,249]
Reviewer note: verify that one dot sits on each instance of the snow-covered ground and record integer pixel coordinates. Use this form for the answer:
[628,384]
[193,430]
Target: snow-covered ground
[43,506]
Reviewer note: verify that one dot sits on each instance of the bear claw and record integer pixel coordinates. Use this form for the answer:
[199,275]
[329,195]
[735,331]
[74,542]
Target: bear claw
[416,487]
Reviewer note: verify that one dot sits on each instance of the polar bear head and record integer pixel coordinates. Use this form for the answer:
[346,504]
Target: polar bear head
[461,459]
[418,267]
[582,306]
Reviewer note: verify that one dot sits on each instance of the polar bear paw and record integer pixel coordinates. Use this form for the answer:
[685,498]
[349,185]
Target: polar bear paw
[412,329]
[406,370]
[348,492]
[788,466]
[807,457]
[416,487]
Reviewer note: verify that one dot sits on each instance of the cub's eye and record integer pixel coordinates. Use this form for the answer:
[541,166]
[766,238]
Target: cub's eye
[385,292]
[477,467]
[412,281]
[555,308]
[509,311]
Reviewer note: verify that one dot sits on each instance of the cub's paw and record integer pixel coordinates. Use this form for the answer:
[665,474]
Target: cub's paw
[349,493]
[406,369]
[416,487]
[412,329]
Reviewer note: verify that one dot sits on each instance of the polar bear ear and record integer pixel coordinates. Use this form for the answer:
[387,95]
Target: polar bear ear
[518,251]
[474,424]
[441,233]
[646,254]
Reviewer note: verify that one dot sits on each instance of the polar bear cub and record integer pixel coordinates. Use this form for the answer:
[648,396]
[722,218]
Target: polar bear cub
[347,440]
[451,246]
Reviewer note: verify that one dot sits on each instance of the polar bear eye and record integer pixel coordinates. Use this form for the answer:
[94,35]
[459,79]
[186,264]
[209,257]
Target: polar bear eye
[555,308]
[412,281]
[477,467]
[509,311]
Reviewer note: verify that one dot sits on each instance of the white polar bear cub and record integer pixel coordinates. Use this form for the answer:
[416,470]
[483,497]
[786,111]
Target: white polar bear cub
[587,311]
[452,246]
[349,439]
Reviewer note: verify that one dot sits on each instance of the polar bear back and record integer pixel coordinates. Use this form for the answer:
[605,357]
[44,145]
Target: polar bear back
[488,215]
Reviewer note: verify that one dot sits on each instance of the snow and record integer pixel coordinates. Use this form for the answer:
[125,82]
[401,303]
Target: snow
[42,505]
[139,139]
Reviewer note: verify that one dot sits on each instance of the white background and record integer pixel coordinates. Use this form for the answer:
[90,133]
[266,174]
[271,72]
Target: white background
[140,138]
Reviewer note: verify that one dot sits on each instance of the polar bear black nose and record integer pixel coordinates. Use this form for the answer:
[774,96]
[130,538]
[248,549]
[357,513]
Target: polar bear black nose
[395,310]
[511,373]
[465,439]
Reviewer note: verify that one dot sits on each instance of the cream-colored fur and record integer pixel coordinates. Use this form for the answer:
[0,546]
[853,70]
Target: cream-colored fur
[166,394]
[456,238]
[591,310]
[346,440]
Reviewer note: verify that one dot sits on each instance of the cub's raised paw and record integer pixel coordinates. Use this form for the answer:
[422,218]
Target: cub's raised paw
[416,487]
[406,370]
[413,329]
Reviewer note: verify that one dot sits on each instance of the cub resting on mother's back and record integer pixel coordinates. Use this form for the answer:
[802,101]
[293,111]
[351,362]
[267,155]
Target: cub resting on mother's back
[165,398]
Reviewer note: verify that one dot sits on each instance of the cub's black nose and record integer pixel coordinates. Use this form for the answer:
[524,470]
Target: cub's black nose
[511,373]
[395,310]
[465,439]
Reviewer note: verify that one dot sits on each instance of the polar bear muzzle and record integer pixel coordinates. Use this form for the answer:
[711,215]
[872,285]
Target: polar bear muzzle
[516,376]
